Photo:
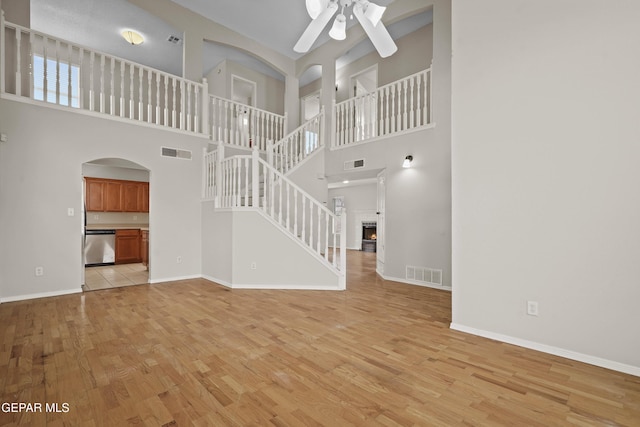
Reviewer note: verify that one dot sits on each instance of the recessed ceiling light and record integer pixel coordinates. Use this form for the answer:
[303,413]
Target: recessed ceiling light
[132,37]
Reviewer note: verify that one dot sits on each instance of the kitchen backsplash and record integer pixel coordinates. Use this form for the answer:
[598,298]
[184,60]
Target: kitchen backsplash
[117,218]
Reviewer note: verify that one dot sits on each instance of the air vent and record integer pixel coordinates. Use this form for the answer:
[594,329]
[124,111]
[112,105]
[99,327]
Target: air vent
[353,164]
[174,39]
[174,152]
[424,275]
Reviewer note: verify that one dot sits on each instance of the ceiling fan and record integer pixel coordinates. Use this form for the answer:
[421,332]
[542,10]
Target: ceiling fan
[367,13]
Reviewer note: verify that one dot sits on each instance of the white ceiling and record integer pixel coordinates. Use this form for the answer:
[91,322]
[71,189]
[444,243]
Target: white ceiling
[97,24]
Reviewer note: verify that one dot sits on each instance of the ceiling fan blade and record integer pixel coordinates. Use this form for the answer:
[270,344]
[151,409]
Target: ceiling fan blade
[315,28]
[315,7]
[378,35]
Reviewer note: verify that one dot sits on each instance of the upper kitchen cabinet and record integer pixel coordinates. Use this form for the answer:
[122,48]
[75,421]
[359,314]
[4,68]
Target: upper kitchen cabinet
[112,195]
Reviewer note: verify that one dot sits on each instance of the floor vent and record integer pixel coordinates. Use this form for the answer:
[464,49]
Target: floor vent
[424,275]
[354,164]
[174,152]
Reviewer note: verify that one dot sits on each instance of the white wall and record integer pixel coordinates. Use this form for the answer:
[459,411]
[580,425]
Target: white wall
[217,244]
[41,169]
[546,207]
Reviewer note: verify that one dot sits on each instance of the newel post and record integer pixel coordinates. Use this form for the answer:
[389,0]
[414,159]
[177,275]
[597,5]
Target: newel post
[255,177]
[333,125]
[343,250]
[205,108]
[218,178]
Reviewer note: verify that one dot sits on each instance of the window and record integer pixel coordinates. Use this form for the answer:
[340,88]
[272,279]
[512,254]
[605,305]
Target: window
[71,99]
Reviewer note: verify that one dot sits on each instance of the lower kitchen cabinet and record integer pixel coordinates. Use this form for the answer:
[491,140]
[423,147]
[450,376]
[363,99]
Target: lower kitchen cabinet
[128,246]
[144,249]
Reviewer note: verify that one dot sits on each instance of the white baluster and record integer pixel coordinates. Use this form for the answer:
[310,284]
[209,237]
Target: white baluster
[45,94]
[326,236]
[102,83]
[18,61]
[57,71]
[166,101]
[404,113]
[121,97]
[188,88]
[182,105]
[430,95]
[295,213]
[173,104]
[411,105]
[132,105]
[140,94]
[112,98]
[149,97]
[418,112]
[31,55]
[319,242]
[69,86]
[157,98]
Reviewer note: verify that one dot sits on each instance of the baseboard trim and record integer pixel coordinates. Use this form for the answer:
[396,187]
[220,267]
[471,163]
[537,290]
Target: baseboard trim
[414,282]
[41,295]
[270,287]
[174,279]
[556,351]
[217,281]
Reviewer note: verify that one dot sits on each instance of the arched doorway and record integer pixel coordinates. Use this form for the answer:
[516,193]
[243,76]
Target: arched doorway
[116,224]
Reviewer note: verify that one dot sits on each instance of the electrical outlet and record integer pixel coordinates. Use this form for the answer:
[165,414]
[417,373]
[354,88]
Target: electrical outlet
[135,217]
[71,212]
[179,260]
[254,265]
[39,271]
[532,308]
[96,216]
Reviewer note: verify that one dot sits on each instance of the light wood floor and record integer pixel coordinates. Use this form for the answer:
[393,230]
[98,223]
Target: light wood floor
[195,353]
[114,276]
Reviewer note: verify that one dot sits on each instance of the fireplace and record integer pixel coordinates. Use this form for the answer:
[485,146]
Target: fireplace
[369,236]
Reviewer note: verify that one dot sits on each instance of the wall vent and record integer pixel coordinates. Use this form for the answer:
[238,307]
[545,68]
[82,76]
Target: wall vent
[174,39]
[174,152]
[353,164]
[425,275]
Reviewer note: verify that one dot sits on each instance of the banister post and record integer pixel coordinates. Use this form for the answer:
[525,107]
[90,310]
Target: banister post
[205,173]
[343,250]
[205,108]
[333,124]
[255,177]
[285,126]
[321,129]
[218,178]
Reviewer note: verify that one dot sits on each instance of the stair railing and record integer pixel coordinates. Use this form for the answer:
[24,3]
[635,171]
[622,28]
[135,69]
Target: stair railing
[298,145]
[243,125]
[248,181]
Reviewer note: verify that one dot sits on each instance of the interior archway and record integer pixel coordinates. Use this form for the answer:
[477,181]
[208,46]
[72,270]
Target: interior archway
[115,250]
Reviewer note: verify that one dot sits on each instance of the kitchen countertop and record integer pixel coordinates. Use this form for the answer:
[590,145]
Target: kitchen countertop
[144,227]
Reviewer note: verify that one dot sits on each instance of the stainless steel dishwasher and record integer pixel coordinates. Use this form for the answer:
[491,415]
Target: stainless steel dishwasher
[99,247]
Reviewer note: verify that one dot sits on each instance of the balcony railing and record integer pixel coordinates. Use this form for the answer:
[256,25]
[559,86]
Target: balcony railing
[46,69]
[242,125]
[398,107]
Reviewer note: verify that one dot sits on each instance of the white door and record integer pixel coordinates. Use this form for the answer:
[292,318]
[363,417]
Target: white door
[380,226]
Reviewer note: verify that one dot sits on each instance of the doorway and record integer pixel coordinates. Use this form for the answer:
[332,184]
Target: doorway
[116,231]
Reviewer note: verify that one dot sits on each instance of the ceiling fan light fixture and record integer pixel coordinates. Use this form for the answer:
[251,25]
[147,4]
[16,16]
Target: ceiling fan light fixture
[315,7]
[339,28]
[132,37]
[373,12]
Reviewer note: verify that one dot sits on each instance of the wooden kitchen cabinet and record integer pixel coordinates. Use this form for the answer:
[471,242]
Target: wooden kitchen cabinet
[144,247]
[94,198]
[128,246]
[112,195]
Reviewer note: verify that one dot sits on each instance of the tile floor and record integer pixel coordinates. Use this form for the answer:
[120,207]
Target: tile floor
[114,276]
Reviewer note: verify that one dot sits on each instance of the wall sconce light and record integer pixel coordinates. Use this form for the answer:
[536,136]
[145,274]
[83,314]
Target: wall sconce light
[407,161]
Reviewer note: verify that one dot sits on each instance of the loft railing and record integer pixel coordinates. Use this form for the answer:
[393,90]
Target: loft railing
[298,145]
[249,182]
[47,69]
[242,125]
[398,107]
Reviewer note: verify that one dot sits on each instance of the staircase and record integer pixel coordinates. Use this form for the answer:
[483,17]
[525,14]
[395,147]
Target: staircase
[249,182]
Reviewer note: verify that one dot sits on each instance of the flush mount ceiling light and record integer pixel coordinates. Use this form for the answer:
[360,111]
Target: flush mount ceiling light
[367,13]
[407,162]
[132,37]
